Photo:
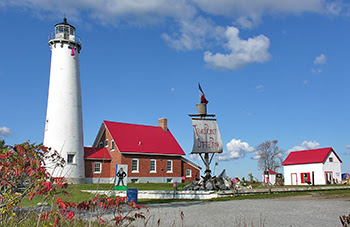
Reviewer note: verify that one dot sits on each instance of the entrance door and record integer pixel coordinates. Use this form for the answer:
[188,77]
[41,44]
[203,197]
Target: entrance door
[294,179]
[329,177]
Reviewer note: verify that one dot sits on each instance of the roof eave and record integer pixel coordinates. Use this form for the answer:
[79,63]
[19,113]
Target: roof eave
[161,154]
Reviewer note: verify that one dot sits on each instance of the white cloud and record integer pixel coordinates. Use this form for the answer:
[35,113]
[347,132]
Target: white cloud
[335,8]
[253,10]
[191,21]
[347,146]
[194,34]
[316,71]
[322,59]
[235,150]
[305,146]
[245,12]
[245,22]
[110,11]
[195,157]
[4,131]
[241,52]
[260,88]
[256,156]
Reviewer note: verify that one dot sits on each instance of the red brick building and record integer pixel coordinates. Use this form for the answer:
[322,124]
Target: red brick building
[151,153]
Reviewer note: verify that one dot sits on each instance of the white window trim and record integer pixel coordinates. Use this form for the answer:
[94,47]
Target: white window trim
[106,143]
[73,160]
[190,175]
[100,167]
[171,165]
[155,166]
[137,165]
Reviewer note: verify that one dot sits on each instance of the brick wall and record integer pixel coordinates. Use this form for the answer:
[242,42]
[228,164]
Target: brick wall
[108,169]
[89,169]
[161,165]
[195,173]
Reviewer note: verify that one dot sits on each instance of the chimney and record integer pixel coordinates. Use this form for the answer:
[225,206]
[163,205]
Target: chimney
[163,123]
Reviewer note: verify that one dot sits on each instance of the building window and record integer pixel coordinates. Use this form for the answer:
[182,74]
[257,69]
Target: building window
[106,143]
[152,166]
[112,145]
[97,167]
[188,173]
[169,180]
[135,180]
[169,166]
[70,158]
[330,159]
[100,145]
[135,165]
[305,177]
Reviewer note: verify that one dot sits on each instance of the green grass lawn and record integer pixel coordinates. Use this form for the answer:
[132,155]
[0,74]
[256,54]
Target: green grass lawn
[140,186]
[77,196]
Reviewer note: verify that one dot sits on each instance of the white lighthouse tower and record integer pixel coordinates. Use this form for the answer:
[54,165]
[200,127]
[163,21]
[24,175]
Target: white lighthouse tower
[64,122]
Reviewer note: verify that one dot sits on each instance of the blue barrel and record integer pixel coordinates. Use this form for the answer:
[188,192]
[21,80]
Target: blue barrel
[131,193]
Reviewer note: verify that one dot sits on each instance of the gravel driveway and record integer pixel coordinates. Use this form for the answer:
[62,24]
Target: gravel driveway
[287,211]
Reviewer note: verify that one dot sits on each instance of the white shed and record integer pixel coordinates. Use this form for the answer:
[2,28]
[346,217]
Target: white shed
[317,166]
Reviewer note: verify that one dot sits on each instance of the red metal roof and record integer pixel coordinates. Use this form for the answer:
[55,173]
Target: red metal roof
[308,156]
[96,153]
[132,138]
[272,172]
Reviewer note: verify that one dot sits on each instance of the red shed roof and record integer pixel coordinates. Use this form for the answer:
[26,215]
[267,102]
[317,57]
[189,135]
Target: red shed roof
[96,153]
[272,172]
[308,156]
[132,138]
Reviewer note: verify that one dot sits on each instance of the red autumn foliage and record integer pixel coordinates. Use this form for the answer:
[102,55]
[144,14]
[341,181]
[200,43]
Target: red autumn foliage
[22,169]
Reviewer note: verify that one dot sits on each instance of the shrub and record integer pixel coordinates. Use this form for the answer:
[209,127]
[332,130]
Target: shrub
[23,174]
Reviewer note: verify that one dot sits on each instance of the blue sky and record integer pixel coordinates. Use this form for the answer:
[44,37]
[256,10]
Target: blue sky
[270,69]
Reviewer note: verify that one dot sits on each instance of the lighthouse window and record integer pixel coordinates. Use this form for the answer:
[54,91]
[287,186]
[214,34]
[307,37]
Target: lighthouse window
[71,31]
[66,30]
[59,29]
[106,143]
[70,158]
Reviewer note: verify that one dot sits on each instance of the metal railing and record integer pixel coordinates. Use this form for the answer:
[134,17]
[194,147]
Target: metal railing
[65,36]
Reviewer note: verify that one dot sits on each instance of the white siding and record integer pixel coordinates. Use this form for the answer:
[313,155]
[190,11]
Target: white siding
[317,168]
[333,167]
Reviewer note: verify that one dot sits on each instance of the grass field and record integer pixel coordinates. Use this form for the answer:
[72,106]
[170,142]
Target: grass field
[77,196]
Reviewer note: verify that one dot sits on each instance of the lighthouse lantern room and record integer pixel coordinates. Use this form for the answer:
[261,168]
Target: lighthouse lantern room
[64,123]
